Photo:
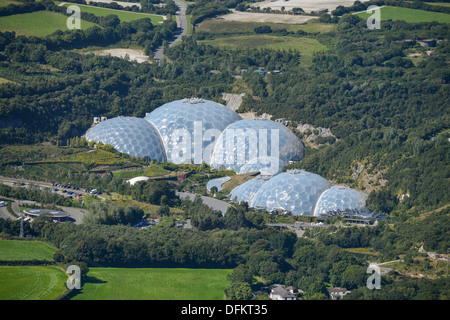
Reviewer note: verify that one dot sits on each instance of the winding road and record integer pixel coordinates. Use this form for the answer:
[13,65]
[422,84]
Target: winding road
[182,25]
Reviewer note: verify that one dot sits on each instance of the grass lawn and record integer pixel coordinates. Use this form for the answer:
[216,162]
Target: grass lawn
[31,282]
[306,46]
[25,250]
[39,23]
[123,15]
[409,15]
[154,284]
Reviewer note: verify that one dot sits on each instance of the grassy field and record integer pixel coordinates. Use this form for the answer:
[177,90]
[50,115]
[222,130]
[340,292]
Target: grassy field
[154,284]
[364,253]
[152,170]
[409,15]
[96,156]
[31,282]
[306,46]
[25,250]
[236,27]
[123,15]
[40,23]
[5,3]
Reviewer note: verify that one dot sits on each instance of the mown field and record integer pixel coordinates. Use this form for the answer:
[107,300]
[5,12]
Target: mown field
[48,282]
[154,284]
[25,250]
[40,23]
[236,27]
[306,46]
[123,15]
[409,15]
[31,282]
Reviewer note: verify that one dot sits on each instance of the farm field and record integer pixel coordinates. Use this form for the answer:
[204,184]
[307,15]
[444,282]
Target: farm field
[25,250]
[31,24]
[31,282]
[154,284]
[409,15]
[237,27]
[124,16]
[306,46]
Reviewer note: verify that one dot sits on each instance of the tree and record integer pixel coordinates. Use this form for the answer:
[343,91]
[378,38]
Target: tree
[242,273]
[238,291]
[263,29]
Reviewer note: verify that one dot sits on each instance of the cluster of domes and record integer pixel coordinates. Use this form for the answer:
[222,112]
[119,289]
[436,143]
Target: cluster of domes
[299,192]
[203,131]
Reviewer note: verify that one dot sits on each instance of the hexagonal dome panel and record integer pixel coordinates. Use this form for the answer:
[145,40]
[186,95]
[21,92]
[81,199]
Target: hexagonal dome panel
[190,128]
[296,191]
[256,144]
[131,135]
[247,191]
[340,198]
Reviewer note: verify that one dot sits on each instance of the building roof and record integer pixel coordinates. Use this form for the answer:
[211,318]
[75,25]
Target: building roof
[282,292]
[337,289]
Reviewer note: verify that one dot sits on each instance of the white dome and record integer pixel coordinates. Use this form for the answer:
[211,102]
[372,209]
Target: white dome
[256,145]
[131,135]
[340,198]
[190,127]
[295,190]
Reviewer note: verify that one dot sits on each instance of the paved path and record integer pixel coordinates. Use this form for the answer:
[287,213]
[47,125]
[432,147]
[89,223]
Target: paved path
[214,204]
[182,25]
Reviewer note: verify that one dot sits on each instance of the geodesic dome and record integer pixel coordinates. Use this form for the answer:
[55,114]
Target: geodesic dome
[247,191]
[256,144]
[190,127]
[296,191]
[340,198]
[131,135]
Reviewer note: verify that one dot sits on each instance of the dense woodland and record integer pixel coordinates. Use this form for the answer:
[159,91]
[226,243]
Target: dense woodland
[386,112]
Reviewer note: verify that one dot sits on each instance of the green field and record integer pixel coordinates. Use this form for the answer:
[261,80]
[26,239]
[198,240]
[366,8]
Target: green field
[39,23]
[25,250]
[409,15]
[306,46]
[236,27]
[5,3]
[151,171]
[31,282]
[154,284]
[123,15]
